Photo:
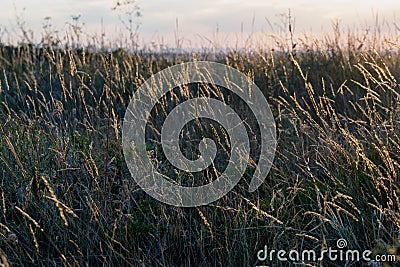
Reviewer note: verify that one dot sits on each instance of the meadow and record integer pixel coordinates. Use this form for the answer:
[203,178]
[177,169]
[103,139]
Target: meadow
[68,199]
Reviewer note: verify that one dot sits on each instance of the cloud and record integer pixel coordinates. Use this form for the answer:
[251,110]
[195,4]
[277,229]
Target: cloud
[201,17]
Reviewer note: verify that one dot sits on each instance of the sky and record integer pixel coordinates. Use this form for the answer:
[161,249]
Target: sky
[199,21]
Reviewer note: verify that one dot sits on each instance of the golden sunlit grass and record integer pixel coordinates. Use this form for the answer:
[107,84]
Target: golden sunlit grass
[67,197]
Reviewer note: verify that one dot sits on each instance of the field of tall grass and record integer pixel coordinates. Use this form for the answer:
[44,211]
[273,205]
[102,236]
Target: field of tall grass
[68,199]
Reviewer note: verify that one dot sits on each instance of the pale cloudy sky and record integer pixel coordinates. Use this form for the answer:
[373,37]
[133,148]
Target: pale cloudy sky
[202,18]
